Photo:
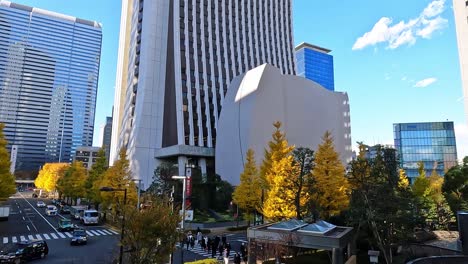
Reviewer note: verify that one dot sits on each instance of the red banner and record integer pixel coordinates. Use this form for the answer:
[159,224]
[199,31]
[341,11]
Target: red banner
[188,190]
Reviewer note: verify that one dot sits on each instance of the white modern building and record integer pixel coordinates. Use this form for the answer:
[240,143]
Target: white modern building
[176,60]
[460,9]
[262,96]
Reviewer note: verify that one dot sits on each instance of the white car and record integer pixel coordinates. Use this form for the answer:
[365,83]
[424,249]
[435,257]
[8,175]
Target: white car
[51,210]
[40,204]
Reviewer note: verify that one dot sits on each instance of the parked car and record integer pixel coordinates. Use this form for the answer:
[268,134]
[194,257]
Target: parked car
[65,224]
[64,209]
[90,217]
[40,204]
[24,251]
[51,210]
[79,237]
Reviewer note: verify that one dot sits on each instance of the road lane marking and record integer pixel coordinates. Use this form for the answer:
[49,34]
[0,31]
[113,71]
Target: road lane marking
[68,234]
[24,219]
[14,240]
[89,233]
[39,236]
[46,236]
[54,236]
[107,232]
[112,231]
[94,232]
[63,217]
[29,229]
[100,231]
[61,234]
[5,240]
[30,237]
[39,213]
[22,238]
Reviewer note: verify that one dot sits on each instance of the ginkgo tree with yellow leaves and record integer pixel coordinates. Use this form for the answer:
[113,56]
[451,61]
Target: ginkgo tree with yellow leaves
[7,180]
[331,187]
[247,195]
[49,174]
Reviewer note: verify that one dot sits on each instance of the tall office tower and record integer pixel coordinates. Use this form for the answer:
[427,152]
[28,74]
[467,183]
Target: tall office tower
[49,65]
[460,9]
[432,143]
[176,60]
[106,137]
[316,64]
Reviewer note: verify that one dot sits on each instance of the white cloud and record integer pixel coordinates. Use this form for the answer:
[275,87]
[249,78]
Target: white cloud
[387,76]
[434,8]
[403,32]
[461,135]
[425,82]
[404,78]
[430,26]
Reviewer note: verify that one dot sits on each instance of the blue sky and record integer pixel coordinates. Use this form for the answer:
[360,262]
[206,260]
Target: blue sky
[396,64]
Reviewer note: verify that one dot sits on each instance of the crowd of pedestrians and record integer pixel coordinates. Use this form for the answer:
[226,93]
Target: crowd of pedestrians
[218,246]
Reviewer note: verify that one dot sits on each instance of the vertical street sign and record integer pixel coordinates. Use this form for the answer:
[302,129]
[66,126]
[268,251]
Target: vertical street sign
[14,153]
[188,190]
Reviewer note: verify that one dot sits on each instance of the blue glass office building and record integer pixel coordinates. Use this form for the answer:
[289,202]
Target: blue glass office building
[49,67]
[432,143]
[314,63]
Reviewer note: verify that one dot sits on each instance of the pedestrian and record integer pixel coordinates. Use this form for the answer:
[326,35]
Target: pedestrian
[226,256]
[214,247]
[221,249]
[192,241]
[203,244]
[223,239]
[228,247]
[237,258]
[243,251]
[199,237]
[187,241]
[208,244]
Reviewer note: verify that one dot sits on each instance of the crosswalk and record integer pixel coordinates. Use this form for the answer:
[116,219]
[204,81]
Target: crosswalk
[57,235]
[198,250]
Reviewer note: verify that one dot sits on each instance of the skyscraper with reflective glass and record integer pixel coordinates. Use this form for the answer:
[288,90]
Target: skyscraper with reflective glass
[433,143]
[316,64]
[49,67]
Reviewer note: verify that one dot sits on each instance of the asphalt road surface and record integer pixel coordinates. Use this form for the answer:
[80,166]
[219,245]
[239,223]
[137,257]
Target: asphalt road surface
[27,221]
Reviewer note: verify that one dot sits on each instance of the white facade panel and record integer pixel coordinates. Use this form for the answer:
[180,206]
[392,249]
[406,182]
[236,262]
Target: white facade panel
[460,9]
[262,96]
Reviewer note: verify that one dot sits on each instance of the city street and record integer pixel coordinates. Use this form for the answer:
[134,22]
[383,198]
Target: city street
[27,221]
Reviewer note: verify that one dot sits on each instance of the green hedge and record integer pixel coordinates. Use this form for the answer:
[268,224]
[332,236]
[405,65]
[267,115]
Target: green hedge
[237,228]
[204,261]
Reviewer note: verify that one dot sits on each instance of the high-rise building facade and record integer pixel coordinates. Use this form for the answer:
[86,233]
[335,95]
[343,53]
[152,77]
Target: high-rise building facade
[460,9]
[106,136]
[49,67]
[176,60]
[87,155]
[433,143]
[316,64]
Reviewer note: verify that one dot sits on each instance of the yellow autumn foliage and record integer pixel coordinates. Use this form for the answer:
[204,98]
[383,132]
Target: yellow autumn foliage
[279,203]
[49,174]
[331,185]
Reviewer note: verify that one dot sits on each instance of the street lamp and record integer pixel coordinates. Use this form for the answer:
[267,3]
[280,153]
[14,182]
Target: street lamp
[110,189]
[184,190]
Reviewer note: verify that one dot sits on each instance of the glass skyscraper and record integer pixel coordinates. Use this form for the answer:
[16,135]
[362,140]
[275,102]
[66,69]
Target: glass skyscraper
[49,67]
[432,143]
[314,63]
